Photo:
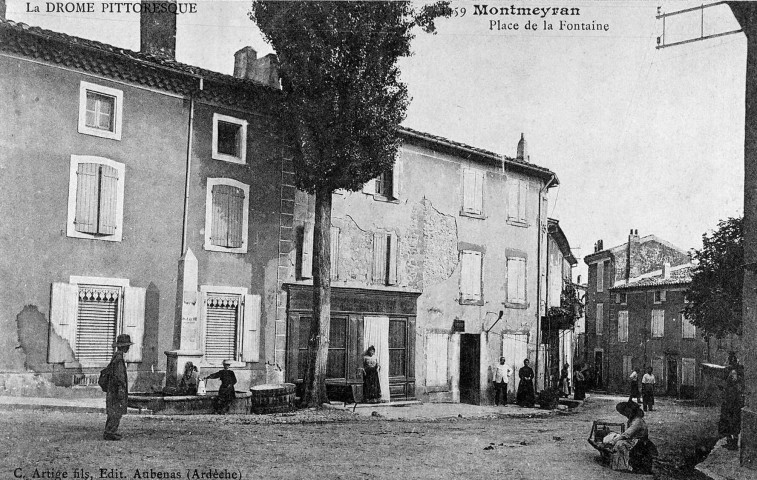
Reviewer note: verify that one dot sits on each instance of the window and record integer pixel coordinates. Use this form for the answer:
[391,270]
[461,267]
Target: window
[95,198]
[599,319]
[231,321]
[470,277]
[688,371]
[516,280]
[387,185]
[305,241]
[688,330]
[437,345]
[88,313]
[600,277]
[100,111]
[627,365]
[659,296]
[336,363]
[397,347]
[517,202]
[473,192]
[623,326]
[658,323]
[229,139]
[385,254]
[226,215]
[621,298]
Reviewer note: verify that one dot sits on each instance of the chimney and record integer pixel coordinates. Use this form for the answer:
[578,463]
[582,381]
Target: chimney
[633,257]
[666,271]
[264,70]
[522,153]
[157,31]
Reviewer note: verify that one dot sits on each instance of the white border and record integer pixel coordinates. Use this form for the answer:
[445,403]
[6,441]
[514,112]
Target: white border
[72,184]
[216,155]
[209,214]
[84,87]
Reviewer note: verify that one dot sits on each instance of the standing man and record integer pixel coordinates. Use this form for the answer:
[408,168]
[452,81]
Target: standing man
[118,388]
[647,389]
[501,375]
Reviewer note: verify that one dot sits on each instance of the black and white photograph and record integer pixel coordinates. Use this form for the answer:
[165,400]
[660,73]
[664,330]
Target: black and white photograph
[378,239]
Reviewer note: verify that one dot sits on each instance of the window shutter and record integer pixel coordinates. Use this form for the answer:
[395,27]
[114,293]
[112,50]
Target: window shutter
[370,187]
[521,269]
[334,252]
[522,200]
[251,329]
[516,280]
[134,321]
[469,190]
[220,221]
[63,310]
[688,371]
[396,177]
[623,326]
[87,179]
[470,272]
[393,257]
[108,200]
[379,258]
[235,216]
[221,318]
[512,199]
[306,253]
[478,192]
[663,294]
[600,318]
[600,276]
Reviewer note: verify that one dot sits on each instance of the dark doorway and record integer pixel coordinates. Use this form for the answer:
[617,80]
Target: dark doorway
[470,368]
[672,389]
[598,370]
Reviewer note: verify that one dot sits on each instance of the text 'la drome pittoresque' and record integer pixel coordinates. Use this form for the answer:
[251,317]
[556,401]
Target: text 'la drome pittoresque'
[535,11]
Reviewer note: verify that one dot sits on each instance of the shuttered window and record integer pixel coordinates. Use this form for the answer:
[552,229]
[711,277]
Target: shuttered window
[688,330]
[658,323]
[600,276]
[517,201]
[397,347]
[627,365]
[385,257]
[470,276]
[96,199]
[336,364]
[516,280]
[473,191]
[334,253]
[221,320]
[688,371]
[226,215]
[599,319]
[97,318]
[436,359]
[623,326]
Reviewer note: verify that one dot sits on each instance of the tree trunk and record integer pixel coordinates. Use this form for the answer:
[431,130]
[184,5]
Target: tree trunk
[318,341]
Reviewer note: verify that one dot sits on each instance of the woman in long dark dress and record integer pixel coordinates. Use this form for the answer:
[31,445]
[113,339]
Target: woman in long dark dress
[579,383]
[371,385]
[730,410]
[526,396]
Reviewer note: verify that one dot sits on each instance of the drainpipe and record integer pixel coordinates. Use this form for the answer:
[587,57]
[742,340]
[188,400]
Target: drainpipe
[188,167]
[542,191]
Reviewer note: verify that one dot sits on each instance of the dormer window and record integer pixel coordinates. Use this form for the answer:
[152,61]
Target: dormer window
[100,111]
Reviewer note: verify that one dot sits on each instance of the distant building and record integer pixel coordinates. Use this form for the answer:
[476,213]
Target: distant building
[614,267]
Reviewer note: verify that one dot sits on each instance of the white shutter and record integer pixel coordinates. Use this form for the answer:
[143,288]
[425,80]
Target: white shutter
[600,276]
[63,309]
[393,258]
[663,295]
[306,253]
[516,280]
[251,329]
[658,323]
[512,186]
[134,321]
[437,345]
[334,252]
[221,317]
[96,323]
[469,190]
[623,326]
[470,275]
[627,360]
[522,200]
[688,371]
[478,193]
[396,177]
[379,258]
[599,319]
[370,187]
[688,330]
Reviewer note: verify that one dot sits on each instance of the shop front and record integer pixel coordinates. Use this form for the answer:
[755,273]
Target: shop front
[360,318]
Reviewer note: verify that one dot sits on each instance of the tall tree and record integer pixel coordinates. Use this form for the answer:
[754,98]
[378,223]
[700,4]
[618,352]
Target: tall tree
[344,102]
[715,293]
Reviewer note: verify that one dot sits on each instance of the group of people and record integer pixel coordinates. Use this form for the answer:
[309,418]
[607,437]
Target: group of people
[644,397]
[526,396]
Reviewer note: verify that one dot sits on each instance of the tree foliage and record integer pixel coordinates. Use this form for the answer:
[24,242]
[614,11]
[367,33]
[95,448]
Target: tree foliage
[715,293]
[343,97]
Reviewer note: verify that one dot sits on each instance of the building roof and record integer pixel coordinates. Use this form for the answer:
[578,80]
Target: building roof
[605,253]
[679,275]
[557,233]
[126,65]
[478,154]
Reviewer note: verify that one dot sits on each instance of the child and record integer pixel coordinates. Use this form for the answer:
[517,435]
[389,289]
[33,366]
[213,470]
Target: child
[647,389]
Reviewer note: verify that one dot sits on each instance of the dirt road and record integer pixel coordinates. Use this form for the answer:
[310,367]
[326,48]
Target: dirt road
[334,445]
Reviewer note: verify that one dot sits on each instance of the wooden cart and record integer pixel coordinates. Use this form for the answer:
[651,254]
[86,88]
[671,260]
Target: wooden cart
[599,430]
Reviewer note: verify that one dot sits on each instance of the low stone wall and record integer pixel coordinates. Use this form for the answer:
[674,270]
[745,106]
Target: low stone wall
[186,404]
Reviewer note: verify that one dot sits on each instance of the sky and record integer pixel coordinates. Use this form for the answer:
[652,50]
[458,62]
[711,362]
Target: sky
[640,138]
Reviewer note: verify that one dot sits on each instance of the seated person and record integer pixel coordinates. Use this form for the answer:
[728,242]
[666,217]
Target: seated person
[188,382]
[632,450]
[226,394]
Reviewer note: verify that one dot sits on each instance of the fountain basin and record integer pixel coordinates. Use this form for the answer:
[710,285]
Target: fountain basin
[185,404]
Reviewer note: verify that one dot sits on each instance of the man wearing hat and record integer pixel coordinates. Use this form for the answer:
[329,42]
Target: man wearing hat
[226,393]
[118,388]
[502,373]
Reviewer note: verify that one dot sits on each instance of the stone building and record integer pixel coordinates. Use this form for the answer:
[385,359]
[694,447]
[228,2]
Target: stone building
[613,267]
[140,198]
[436,263]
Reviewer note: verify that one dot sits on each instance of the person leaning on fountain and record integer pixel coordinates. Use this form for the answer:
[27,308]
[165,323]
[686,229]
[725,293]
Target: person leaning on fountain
[226,395]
